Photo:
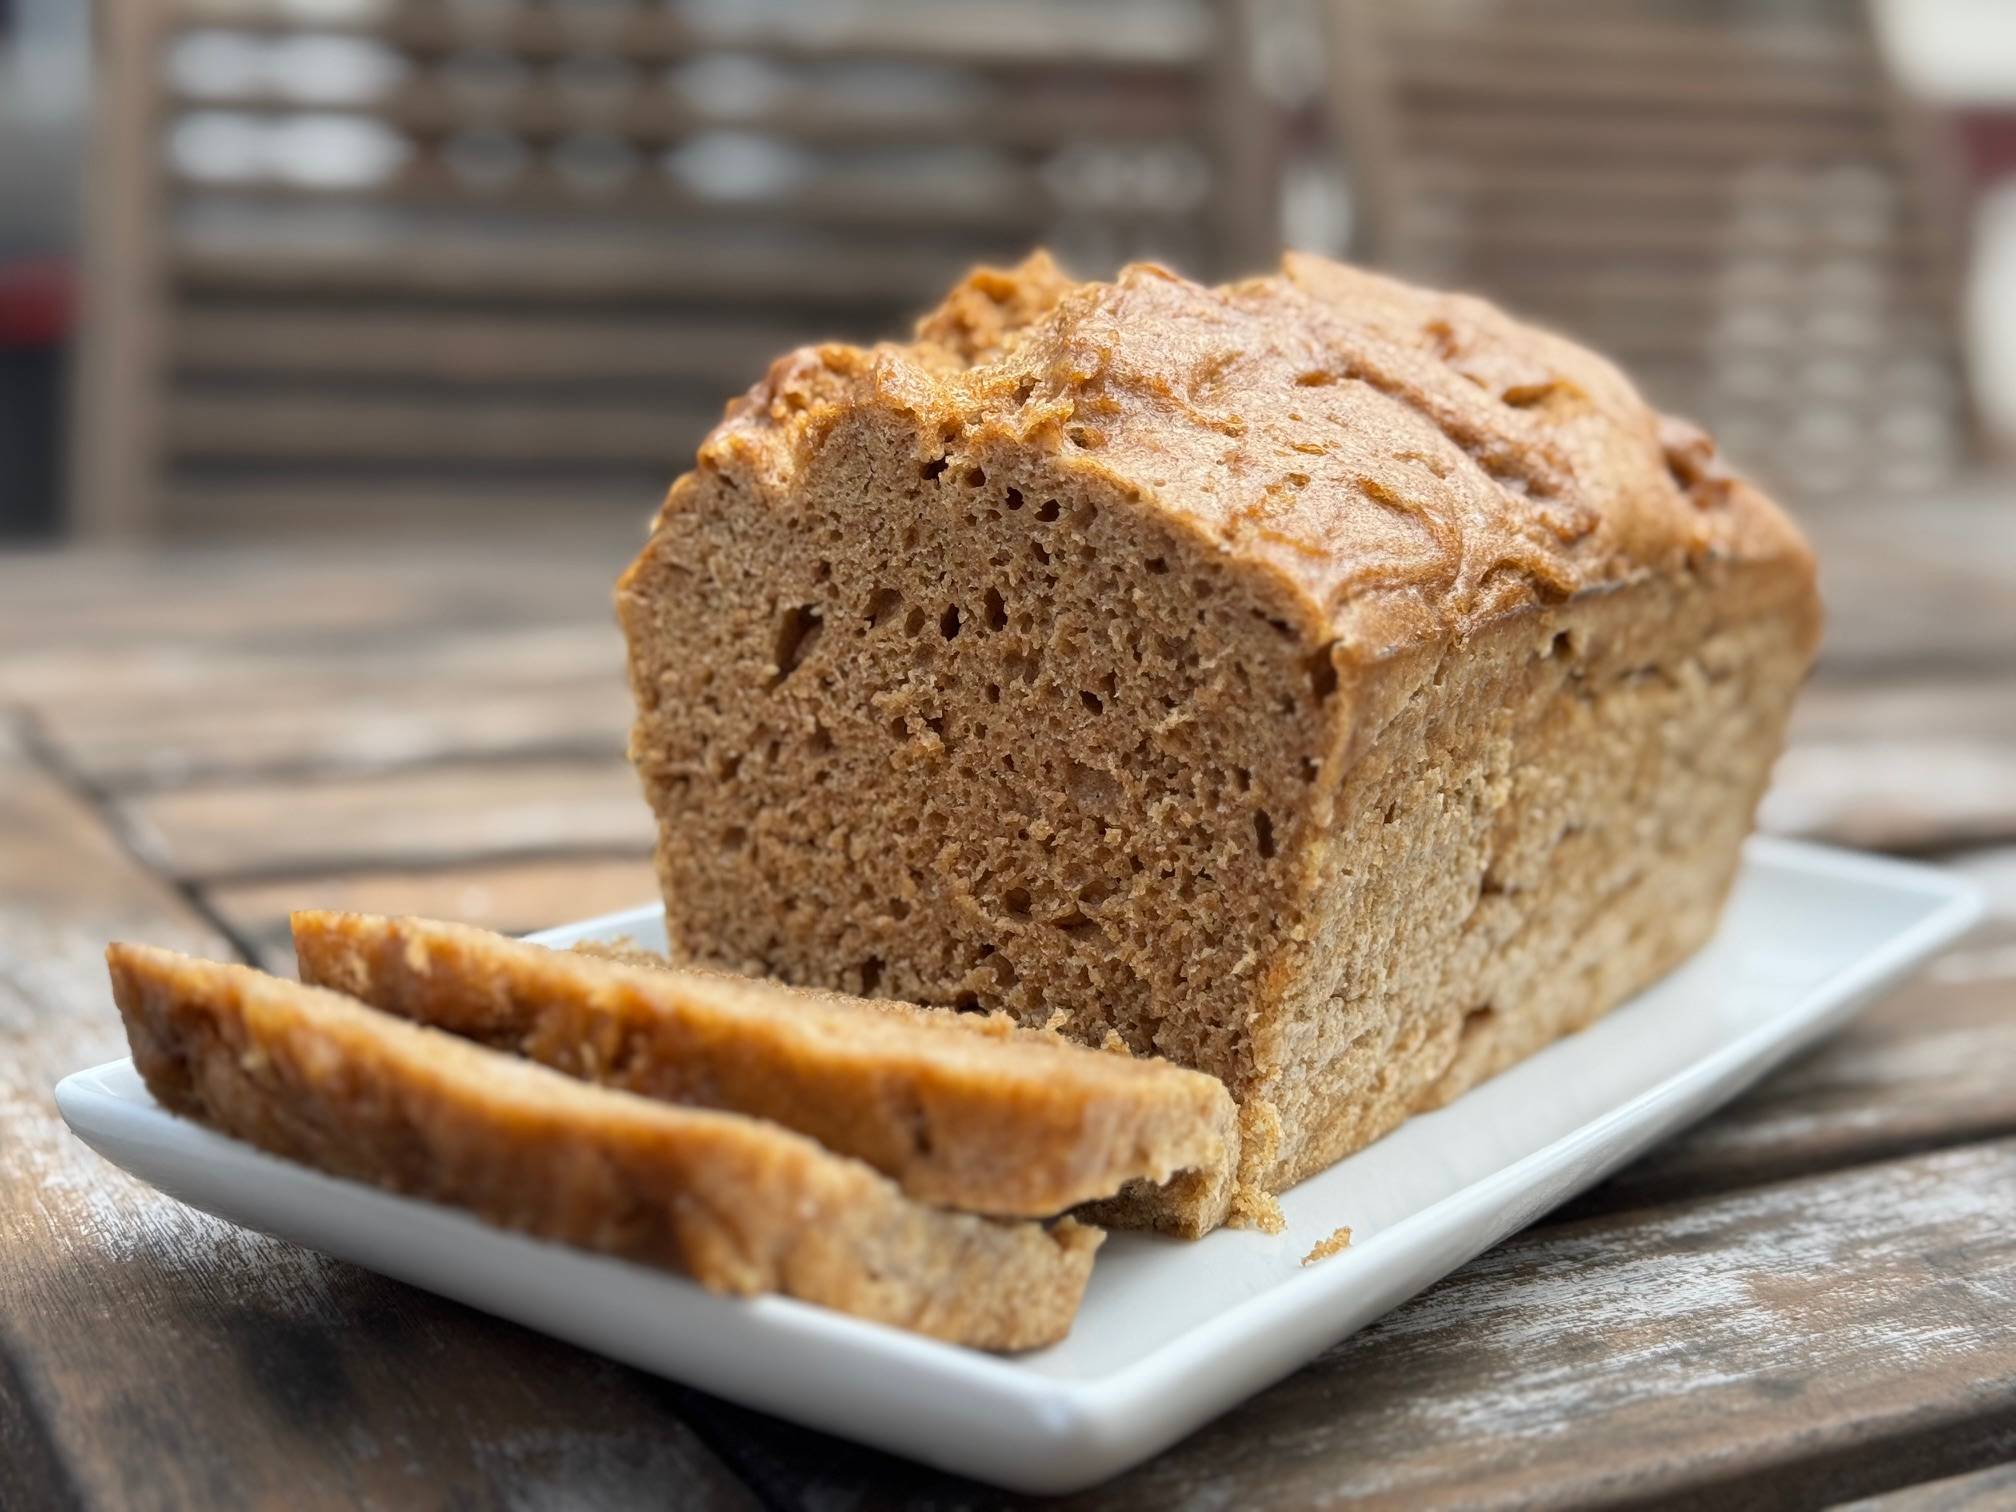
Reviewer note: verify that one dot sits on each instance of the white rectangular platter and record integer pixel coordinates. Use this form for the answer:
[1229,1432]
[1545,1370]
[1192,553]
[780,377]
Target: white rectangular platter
[1171,1334]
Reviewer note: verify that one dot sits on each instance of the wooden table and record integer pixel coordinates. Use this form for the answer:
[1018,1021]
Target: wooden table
[1810,1297]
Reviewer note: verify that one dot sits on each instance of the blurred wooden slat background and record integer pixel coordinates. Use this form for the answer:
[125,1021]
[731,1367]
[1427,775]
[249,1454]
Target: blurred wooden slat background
[434,247]
[1726,197]
[518,253]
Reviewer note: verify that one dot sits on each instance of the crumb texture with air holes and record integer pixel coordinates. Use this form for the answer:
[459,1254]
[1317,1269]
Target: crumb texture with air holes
[1331,685]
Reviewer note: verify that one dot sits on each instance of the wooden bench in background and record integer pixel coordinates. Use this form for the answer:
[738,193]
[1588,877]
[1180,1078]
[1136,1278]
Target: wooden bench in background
[519,253]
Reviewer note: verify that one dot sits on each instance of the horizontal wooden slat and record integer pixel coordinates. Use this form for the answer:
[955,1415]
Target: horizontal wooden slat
[1675,189]
[516,897]
[308,505]
[451,269]
[57,638]
[1008,202]
[1046,35]
[283,663]
[1911,792]
[1019,117]
[1606,35]
[1730,79]
[472,347]
[268,424]
[1776,1347]
[1682,292]
[1712,239]
[79,623]
[1925,1068]
[1480,133]
[436,815]
[169,743]
[1919,591]
[1641,347]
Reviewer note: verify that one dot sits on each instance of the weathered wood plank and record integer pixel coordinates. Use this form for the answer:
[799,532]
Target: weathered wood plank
[141,676]
[1775,1347]
[1938,595]
[996,198]
[61,598]
[1927,1067]
[1732,80]
[336,424]
[1043,112]
[389,502]
[450,269]
[472,348]
[318,732]
[1599,36]
[1534,233]
[1471,130]
[1012,37]
[287,599]
[515,897]
[150,1356]
[1900,765]
[433,815]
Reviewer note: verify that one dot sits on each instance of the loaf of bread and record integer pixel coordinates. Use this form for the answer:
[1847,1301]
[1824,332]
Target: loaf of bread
[741,1205]
[981,1116]
[1332,685]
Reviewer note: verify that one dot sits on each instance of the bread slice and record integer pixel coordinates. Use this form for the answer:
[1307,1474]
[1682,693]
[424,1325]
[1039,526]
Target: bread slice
[1333,685]
[977,1115]
[739,1205]
[1187,1206]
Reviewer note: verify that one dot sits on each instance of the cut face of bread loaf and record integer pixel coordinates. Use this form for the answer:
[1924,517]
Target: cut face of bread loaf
[981,1116]
[1331,685]
[740,1205]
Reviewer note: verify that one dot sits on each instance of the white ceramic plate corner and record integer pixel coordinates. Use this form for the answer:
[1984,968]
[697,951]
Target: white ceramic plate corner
[1171,1334]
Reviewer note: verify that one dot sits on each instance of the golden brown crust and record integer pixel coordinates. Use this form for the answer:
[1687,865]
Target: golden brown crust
[739,1205]
[1414,464]
[986,1118]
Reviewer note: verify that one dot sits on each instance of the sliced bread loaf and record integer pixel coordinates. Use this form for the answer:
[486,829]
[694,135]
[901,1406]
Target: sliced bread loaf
[1333,685]
[740,1205]
[960,1111]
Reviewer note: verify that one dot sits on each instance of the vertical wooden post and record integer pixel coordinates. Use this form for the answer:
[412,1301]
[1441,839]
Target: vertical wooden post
[116,397]
[1935,195]
[1246,151]
[1362,117]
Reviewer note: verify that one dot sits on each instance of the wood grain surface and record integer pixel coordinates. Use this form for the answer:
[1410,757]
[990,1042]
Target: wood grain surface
[1780,1346]
[452,812]
[151,1356]
[1810,1297]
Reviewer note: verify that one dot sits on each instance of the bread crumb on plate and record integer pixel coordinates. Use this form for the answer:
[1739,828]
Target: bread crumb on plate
[1340,1239]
